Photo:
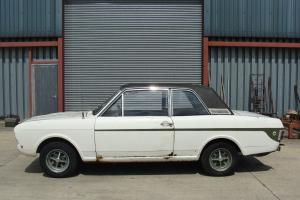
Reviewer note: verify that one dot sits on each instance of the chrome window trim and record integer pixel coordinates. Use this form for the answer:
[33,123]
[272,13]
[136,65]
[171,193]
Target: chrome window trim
[121,94]
[170,102]
[105,107]
[197,96]
[122,104]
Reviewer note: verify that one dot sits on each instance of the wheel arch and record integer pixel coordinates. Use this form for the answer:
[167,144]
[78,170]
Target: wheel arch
[48,140]
[229,140]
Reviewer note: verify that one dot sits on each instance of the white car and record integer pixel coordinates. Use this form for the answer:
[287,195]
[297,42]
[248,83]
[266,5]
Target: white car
[147,123]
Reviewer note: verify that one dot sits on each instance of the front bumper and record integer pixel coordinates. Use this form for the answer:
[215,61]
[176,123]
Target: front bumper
[28,152]
[279,147]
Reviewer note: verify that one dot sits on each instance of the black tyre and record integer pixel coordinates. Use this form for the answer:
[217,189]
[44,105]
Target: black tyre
[219,159]
[58,160]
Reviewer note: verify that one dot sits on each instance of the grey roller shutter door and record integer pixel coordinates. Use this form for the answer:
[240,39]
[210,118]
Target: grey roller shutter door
[109,43]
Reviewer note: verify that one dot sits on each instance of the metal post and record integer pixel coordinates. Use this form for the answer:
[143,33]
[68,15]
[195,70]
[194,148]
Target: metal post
[205,80]
[60,75]
[30,80]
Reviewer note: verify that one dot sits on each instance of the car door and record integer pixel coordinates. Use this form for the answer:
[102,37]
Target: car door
[136,124]
[189,115]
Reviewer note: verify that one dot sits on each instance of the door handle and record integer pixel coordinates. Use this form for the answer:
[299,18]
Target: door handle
[166,123]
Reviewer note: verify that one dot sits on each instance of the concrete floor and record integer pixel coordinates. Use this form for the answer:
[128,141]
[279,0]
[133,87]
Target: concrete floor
[276,176]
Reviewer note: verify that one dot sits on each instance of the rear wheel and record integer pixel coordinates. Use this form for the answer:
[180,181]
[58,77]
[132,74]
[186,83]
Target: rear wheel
[219,159]
[58,159]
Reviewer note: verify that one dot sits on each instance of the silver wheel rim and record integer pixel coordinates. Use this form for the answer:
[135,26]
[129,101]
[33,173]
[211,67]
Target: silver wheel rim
[57,160]
[220,159]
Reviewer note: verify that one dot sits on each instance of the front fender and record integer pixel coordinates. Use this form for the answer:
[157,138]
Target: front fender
[59,136]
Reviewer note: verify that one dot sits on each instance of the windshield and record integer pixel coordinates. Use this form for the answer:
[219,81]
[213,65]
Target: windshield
[98,108]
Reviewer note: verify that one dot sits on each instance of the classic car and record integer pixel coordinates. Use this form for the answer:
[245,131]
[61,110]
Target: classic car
[150,123]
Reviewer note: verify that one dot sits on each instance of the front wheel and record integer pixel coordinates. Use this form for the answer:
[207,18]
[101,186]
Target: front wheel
[219,159]
[58,159]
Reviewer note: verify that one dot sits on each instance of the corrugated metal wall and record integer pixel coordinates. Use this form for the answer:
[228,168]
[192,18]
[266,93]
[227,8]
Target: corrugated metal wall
[252,18]
[30,18]
[235,66]
[14,78]
[112,42]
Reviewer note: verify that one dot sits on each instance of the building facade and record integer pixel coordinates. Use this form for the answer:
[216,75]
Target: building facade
[253,54]
[70,55]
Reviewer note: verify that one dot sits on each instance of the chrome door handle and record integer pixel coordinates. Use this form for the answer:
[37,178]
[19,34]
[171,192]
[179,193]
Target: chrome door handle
[166,123]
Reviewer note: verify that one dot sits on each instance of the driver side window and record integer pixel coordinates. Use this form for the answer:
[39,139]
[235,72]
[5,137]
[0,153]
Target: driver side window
[140,103]
[115,109]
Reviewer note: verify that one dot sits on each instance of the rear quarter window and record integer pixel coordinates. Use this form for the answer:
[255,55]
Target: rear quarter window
[214,103]
[186,103]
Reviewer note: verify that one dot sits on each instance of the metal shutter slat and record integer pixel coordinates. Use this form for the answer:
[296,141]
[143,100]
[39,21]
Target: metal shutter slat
[109,43]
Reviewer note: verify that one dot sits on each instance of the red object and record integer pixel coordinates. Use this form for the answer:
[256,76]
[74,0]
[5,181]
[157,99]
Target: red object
[30,80]
[60,75]
[254,44]
[291,124]
[205,61]
[29,44]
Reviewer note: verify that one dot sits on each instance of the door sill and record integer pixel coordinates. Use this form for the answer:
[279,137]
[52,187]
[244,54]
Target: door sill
[146,159]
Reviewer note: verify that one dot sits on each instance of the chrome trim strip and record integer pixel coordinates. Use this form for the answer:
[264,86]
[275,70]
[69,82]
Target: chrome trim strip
[170,102]
[109,104]
[122,104]
[193,129]
[120,130]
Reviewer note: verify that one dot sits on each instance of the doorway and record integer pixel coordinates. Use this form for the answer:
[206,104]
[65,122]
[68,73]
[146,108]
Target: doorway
[44,89]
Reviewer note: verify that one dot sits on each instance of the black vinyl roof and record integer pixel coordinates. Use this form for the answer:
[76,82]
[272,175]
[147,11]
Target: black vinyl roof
[207,94]
[168,85]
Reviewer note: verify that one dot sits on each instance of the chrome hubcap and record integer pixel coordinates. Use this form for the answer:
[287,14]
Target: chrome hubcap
[57,160]
[220,159]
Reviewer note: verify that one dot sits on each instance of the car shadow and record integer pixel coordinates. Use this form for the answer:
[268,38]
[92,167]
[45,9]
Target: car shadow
[251,164]
[246,164]
[155,168]
[34,167]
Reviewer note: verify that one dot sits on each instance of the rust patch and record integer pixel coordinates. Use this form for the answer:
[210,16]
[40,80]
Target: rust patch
[172,154]
[169,156]
[99,158]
